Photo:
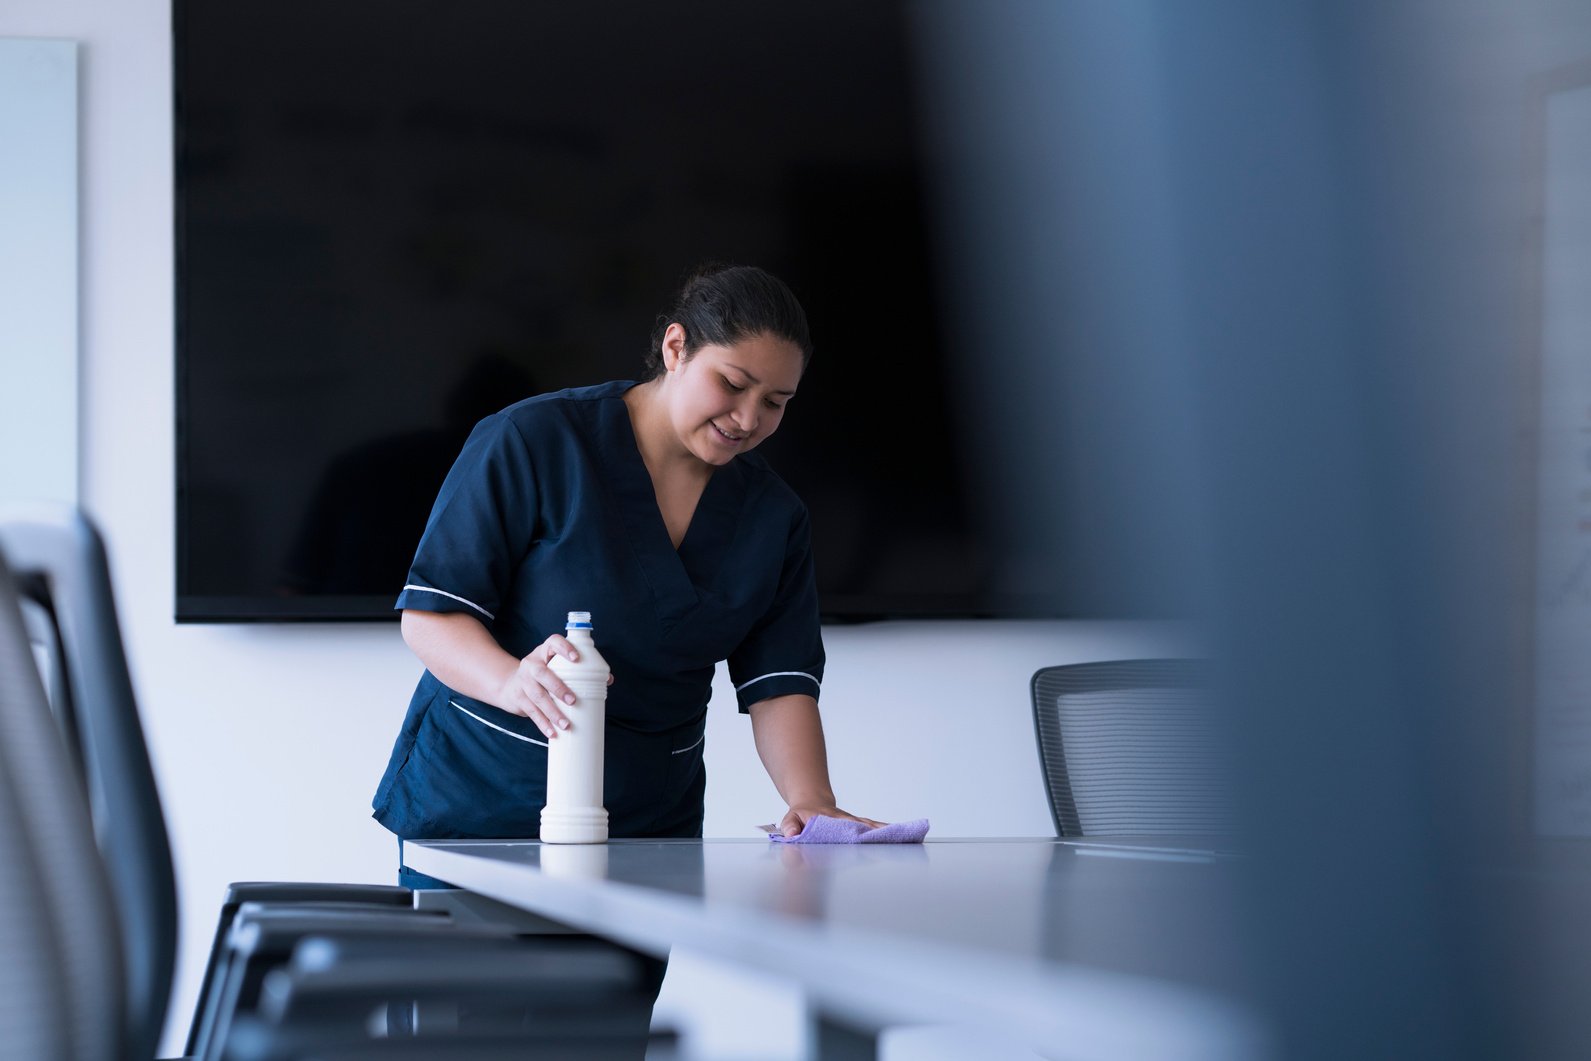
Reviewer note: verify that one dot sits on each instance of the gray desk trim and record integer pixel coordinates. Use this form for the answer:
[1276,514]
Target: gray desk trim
[874,980]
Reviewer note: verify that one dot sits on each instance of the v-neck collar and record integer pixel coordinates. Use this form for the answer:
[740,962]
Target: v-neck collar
[676,576]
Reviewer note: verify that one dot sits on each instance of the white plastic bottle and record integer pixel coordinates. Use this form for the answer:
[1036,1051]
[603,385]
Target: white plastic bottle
[574,813]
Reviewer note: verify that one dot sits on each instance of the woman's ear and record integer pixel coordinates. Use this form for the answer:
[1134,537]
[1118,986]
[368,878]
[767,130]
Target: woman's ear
[673,347]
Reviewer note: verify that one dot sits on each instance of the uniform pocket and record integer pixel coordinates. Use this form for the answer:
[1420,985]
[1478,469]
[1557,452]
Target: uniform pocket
[687,782]
[468,776]
[493,725]
[693,745]
[649,776]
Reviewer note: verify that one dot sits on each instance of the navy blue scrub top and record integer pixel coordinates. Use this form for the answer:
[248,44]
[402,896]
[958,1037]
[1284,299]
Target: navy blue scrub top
[550,509]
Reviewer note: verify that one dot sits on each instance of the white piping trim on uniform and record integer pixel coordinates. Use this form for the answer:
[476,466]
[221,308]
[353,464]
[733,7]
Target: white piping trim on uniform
[500,729]
[782,674]
[461,600]
[682,751]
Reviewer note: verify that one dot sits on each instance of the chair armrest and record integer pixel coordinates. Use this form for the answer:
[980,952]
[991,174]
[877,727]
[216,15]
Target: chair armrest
[255,1040]
[589,988]
[266,932]
[276,891]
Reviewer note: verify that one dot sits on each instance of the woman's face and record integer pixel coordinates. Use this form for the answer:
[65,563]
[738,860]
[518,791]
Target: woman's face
[725,400]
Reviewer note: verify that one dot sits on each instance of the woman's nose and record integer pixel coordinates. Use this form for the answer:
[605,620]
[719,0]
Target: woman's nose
[745,416]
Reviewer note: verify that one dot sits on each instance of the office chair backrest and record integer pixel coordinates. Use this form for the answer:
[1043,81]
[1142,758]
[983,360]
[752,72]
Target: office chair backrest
[61,994]
[58,560]
[1129,748]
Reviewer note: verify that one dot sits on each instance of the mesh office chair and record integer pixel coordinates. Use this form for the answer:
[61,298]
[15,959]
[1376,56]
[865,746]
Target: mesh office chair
[1129,748]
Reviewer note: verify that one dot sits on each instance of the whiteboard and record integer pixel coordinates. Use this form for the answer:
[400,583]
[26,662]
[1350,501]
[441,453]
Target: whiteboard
[38,270]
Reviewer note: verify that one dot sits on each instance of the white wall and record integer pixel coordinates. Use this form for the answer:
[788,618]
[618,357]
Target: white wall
[268,740]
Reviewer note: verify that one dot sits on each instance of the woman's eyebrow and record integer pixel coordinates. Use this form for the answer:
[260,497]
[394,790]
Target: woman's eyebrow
[753,379]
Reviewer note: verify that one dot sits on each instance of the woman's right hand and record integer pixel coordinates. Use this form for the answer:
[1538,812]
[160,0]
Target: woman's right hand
[460,652]
[533,690]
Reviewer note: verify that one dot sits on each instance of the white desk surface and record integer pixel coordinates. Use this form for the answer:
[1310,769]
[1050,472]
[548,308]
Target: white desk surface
[1081,949]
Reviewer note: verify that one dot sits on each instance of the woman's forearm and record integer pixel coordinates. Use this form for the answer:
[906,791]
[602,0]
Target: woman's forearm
[464,657]
[789,735]
[460,652]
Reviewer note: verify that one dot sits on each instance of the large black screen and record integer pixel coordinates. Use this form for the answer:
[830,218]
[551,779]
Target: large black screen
[397,217]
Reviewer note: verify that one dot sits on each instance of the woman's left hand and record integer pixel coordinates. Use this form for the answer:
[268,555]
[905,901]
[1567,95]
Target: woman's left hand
[796,818]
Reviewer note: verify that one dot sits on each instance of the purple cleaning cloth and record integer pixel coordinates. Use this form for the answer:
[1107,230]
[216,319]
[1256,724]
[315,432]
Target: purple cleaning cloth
[822,830]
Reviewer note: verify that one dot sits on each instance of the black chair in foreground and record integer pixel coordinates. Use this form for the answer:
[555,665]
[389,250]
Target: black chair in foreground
[59,564]
[71,622]
[1130,748]
[354,902]
[93,961]
[61,982]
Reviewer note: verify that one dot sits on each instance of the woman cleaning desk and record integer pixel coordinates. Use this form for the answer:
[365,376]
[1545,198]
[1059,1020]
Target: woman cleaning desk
[643,504]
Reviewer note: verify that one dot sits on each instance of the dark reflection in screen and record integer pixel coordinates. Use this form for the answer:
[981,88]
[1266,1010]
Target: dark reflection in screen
[371,503]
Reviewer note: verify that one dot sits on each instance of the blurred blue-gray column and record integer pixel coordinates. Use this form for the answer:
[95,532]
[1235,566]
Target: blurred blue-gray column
[1229,290]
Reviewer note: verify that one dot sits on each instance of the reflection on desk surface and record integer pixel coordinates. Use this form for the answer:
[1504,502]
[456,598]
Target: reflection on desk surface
[1167,911]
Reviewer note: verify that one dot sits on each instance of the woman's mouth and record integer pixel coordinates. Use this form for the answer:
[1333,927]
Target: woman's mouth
[725,437]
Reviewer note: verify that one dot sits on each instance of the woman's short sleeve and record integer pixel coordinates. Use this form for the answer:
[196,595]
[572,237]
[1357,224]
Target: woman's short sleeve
[482,522]
[783,653]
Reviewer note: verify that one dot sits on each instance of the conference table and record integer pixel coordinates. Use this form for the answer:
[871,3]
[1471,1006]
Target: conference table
[1092,948]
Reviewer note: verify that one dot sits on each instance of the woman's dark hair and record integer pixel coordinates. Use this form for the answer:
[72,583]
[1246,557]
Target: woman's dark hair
[722,304]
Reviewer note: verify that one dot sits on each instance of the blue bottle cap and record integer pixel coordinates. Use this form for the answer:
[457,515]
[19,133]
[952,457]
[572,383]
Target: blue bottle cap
[579,620]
